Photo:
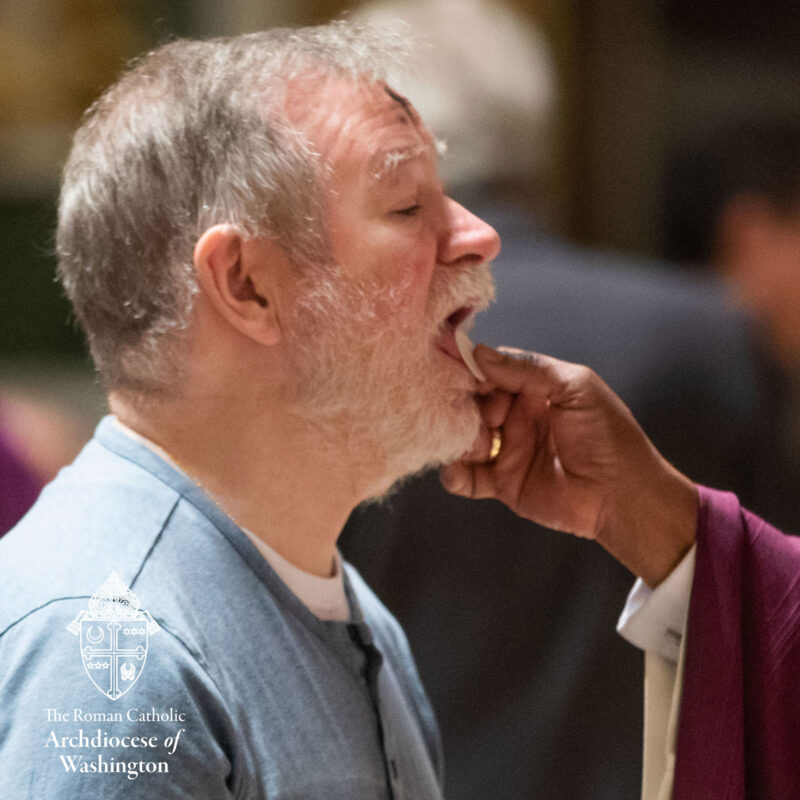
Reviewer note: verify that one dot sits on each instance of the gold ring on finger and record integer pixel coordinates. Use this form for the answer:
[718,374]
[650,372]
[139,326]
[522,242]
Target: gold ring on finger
[497,444]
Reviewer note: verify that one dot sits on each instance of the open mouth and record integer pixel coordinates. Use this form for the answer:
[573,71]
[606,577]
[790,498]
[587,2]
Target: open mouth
[447,340]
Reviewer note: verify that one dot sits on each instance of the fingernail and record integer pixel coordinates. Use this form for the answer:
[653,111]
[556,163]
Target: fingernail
[489,354]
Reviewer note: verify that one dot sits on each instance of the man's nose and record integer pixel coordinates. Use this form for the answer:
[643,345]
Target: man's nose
[466,239]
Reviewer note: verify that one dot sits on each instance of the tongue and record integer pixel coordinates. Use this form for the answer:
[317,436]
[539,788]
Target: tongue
[449,345]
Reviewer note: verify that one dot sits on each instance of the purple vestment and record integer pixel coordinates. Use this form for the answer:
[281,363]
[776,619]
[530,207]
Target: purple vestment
[19,487]
[739,732]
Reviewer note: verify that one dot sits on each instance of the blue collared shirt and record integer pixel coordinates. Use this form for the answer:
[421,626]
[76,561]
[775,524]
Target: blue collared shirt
[193,671]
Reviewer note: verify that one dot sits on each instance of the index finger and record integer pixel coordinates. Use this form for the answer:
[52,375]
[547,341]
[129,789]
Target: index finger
[524,372]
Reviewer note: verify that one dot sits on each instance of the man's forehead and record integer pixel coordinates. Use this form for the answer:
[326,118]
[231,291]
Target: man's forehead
[313,96]
[369,118]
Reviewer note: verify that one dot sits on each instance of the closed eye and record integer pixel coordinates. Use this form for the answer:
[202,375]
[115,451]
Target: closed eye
[411,211]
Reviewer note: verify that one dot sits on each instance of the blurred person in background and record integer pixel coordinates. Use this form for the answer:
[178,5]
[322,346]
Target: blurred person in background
[734,203]
[535,695]
[757,232]
[757,251]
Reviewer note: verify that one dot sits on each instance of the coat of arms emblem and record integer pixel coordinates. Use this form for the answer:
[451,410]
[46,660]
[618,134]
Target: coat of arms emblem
[114,635]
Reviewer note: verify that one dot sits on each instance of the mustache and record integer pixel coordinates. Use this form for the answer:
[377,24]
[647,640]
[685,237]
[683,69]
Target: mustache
[455,287]
[333,296]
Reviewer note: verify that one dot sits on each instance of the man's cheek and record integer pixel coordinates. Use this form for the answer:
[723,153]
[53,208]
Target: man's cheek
[408,300]
[413,269]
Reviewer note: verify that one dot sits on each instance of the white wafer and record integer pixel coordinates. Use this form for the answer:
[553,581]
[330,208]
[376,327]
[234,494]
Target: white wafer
[465,348]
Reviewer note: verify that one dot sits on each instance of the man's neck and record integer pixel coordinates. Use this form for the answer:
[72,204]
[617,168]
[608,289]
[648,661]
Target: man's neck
[270,473]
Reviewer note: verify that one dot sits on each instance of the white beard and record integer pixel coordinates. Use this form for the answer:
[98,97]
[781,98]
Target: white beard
[370,377]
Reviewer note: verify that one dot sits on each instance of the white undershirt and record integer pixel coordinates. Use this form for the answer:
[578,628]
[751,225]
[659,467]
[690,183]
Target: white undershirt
[654,620]
[324,597]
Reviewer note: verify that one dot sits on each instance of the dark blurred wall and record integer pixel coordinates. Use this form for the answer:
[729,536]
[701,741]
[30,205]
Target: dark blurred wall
[32,309]
[643,81]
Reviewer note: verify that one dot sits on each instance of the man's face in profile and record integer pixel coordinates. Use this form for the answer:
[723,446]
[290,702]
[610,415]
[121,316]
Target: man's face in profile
[374,331]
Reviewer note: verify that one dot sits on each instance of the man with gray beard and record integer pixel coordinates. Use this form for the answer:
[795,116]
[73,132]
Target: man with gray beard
[255,239]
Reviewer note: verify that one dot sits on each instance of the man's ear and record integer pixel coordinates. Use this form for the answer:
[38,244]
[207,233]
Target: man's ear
[235,277]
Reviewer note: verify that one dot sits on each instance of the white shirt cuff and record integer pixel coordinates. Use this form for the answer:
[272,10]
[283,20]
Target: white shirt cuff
[654,620]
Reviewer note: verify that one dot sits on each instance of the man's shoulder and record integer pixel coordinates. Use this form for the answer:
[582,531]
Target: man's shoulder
[90,694]
[74,650]
[121,510]
[101,513]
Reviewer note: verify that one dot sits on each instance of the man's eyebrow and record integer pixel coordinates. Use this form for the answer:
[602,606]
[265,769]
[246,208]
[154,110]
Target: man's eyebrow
[385,162]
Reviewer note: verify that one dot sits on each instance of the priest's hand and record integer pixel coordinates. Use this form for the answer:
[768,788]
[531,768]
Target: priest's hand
[574,459]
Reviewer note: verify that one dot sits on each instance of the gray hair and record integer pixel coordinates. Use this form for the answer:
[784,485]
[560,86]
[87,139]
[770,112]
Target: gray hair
[192,135]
